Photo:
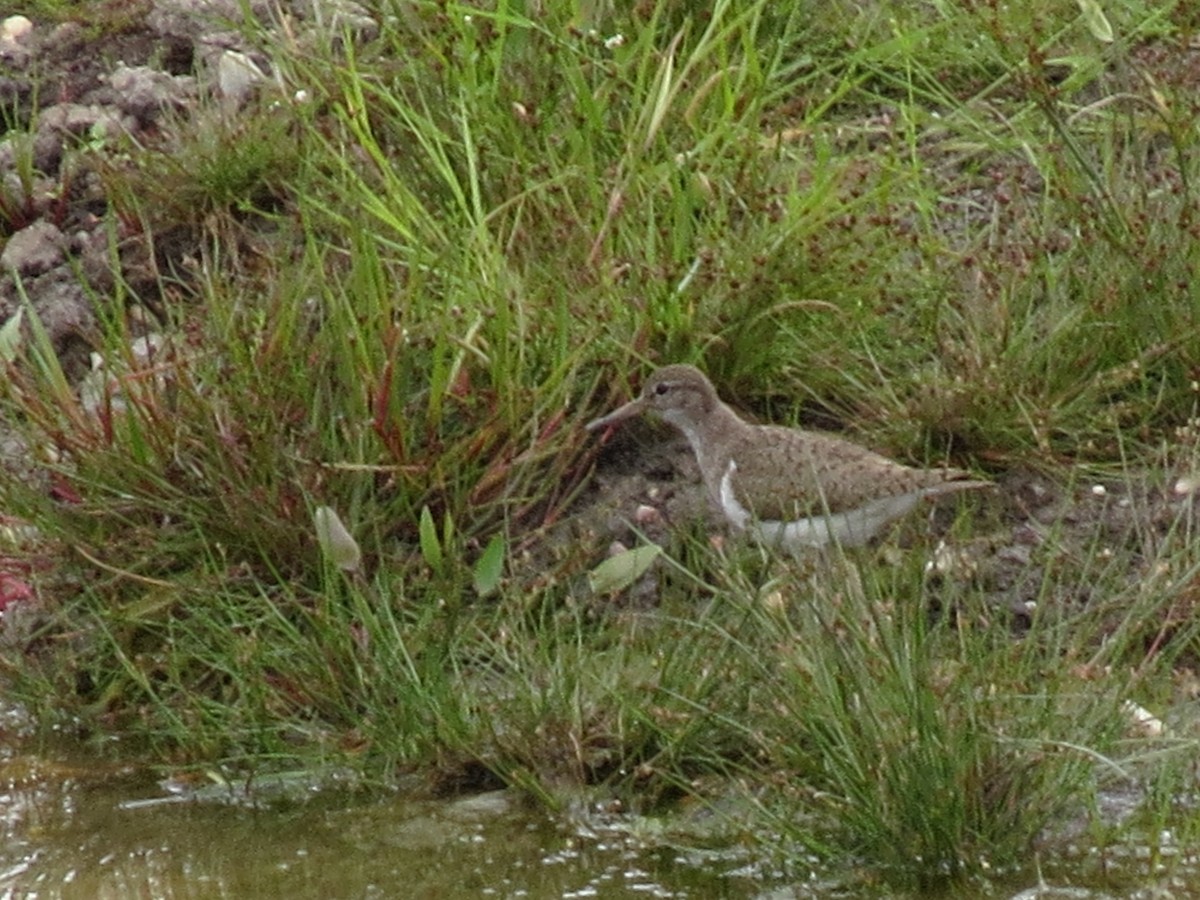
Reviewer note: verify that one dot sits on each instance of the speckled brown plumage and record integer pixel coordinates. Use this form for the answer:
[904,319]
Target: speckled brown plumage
[786,475]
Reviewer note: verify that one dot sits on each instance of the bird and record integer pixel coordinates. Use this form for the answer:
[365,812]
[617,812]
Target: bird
[789,488]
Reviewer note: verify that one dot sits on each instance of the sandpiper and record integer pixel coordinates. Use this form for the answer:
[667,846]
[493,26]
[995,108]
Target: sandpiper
[788,487]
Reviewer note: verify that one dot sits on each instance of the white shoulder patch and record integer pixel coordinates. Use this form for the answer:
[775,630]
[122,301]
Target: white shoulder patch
[737,514]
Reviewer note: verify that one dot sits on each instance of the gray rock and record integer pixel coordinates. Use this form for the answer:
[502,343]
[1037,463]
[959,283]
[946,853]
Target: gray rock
[77,119]
[193,18]
[91,248]
[74,120]
[144,92]
[336,16]
[238,76]
[65,311]
[27,192]
[35,249]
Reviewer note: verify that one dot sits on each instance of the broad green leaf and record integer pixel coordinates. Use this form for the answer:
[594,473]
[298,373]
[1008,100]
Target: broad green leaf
[10,336]
[431,548]
[618,572]
[490,567]
[335,539]
[1097,22]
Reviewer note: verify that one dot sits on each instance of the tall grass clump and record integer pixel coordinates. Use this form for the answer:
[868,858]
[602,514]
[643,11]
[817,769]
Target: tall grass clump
[927,746]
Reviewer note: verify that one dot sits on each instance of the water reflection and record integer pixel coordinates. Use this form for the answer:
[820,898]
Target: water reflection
[78,828]
[100,831]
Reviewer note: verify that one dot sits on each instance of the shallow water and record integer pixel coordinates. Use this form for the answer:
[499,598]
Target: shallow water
[76,827]
[84,829]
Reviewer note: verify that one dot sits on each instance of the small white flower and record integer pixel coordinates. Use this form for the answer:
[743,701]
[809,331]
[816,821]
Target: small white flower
[614,42]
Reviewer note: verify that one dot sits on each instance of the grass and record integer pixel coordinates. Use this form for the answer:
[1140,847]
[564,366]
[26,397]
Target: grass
[424,262]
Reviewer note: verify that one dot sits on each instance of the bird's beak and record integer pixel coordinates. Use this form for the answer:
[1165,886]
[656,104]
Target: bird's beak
[630,409]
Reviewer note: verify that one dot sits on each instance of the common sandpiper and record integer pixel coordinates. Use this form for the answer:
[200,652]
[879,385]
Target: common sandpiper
[788,487]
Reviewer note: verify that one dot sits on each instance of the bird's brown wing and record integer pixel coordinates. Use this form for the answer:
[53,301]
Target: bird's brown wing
[809,473]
